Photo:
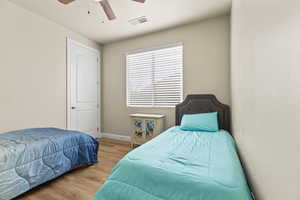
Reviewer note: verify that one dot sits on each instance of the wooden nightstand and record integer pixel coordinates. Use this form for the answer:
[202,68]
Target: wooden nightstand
[145,127]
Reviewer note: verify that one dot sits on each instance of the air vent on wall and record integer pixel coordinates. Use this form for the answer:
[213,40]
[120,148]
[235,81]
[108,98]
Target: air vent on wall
[139,20]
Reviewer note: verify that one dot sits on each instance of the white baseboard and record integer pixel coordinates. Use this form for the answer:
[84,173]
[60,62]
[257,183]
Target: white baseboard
[116,137]
[97,135]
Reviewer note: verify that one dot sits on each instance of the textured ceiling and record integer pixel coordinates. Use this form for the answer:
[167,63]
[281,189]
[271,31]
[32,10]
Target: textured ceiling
[162,14]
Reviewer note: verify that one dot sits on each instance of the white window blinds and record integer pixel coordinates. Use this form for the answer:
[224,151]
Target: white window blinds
[155,77]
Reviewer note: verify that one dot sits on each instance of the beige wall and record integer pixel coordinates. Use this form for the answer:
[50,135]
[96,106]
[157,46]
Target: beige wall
[32,69]
[206,69]
[266,94]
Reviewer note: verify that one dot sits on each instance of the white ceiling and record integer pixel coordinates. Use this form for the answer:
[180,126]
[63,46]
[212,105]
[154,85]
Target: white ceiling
[161,13]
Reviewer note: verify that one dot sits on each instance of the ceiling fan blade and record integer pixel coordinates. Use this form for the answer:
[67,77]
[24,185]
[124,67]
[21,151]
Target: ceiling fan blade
[66,1]
[108,10]
[140,1]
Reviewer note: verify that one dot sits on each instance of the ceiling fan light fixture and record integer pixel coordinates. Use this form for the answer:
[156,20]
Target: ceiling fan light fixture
[106,8]
[66,1]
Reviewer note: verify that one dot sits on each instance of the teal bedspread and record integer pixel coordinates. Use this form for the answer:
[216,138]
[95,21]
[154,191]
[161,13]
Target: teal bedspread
[179,165]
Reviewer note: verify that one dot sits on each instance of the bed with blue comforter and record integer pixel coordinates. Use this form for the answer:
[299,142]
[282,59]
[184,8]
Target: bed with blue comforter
[31,157]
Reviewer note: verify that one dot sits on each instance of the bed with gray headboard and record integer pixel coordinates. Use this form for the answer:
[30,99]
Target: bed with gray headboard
[181,164]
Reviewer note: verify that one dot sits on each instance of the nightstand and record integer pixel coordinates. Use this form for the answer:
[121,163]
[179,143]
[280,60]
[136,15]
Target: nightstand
[145,127]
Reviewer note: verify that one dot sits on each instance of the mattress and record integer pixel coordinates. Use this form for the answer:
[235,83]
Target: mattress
[179,165]
[31,157]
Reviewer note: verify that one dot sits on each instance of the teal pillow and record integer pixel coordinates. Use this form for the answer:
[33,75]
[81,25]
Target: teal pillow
[200,122]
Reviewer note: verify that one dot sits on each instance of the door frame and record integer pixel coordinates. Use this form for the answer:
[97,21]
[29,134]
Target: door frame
[68,100]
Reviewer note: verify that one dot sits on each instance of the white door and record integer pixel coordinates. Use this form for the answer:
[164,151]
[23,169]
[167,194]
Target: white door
[83,89]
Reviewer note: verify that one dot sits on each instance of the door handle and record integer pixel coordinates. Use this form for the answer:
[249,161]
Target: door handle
[73,107]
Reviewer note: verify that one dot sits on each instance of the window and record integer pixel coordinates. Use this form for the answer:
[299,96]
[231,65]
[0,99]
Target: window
[154,77]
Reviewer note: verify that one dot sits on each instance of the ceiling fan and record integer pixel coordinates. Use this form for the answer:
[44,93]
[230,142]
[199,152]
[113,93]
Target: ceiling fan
[105,5]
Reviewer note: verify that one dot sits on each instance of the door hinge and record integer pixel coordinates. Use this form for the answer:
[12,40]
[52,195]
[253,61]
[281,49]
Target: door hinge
[98,129]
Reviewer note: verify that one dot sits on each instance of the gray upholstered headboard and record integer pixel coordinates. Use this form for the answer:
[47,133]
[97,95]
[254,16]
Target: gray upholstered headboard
[204,103]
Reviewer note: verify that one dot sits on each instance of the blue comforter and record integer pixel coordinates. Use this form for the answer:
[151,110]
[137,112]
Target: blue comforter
[31,157]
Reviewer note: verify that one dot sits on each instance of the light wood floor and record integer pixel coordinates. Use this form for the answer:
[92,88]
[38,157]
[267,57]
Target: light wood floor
[82,184]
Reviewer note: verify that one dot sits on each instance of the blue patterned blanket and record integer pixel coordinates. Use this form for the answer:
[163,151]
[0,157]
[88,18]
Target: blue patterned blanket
[31,157]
